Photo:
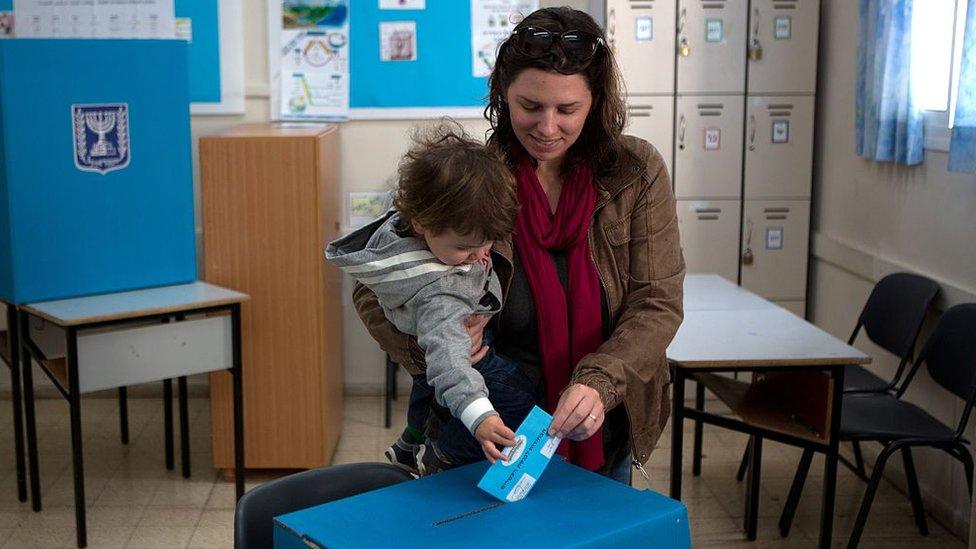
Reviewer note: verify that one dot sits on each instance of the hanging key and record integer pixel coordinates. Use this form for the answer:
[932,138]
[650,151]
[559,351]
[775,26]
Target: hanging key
[683,49]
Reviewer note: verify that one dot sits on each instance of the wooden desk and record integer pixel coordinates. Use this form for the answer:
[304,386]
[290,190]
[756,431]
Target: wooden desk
[795,397]
[126,338]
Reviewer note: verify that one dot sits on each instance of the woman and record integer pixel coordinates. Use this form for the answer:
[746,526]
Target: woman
[593,274]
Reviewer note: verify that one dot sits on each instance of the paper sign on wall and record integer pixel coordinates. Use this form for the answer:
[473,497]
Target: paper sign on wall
[774,238]
[643,29]
[783,27]
[398,40]
[781,131]
[713,139]
[713,30]
[403,4]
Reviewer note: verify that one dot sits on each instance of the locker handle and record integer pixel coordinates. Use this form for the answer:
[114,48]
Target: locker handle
[681,20]
[776,210]
[755,23]
[638,114]
[752,132]
[708,210]
[708,217]
[774,217]
[612,30]
[681,133]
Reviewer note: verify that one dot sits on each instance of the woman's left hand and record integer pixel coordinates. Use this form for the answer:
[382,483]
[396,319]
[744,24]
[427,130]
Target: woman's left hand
[579,413]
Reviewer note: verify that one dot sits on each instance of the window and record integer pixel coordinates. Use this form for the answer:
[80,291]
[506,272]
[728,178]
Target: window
[937,33]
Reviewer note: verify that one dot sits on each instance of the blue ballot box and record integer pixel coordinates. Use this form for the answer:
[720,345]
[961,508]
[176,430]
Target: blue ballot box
[96,188]
[568,507]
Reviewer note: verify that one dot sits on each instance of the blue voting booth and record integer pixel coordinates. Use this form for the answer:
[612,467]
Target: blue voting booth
[96,189]
[569,507]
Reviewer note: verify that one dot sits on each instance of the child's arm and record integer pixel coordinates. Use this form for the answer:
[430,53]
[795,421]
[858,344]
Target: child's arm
[441,333]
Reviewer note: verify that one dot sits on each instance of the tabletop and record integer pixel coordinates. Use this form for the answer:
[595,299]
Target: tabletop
[134,304]
[726,325]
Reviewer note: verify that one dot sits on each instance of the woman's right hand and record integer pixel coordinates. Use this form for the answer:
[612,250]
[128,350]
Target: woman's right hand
[475,325]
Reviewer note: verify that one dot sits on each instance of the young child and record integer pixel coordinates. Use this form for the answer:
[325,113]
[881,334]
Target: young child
[428,261]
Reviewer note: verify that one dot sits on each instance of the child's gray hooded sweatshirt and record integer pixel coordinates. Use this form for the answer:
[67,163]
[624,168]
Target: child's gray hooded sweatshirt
[430,300]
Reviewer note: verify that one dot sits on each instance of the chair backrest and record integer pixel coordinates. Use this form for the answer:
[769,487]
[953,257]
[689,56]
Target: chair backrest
[950,352]
[253,519]
[894,312]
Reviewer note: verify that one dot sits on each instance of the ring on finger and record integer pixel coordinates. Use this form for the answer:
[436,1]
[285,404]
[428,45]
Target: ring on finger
[593,417]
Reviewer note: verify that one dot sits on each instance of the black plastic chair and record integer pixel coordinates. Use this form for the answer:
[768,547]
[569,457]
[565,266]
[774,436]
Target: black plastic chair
[253,519]
[950,355]
[892,318]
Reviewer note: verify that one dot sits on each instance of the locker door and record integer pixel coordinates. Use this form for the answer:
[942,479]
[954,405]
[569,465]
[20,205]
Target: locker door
[710,236]
[799,308]
[641,35]
[711,46]
[651,119]
[776,233]
[779,147]
[786,32]
[708,147]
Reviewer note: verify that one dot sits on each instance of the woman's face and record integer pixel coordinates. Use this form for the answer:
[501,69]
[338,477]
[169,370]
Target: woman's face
[548,111]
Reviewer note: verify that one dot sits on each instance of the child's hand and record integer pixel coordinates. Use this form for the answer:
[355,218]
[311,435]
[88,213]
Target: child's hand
[490,432]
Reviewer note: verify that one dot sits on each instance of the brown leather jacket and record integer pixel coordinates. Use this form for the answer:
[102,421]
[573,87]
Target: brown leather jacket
[634,243]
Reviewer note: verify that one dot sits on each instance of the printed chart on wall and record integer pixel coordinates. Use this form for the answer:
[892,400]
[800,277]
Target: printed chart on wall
[309,59]
[385,59]
[212,29]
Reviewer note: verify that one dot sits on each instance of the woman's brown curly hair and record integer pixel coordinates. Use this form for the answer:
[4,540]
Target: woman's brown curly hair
[599,142]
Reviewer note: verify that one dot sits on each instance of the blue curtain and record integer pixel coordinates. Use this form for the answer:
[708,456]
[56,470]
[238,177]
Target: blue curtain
[889,124]
[962,148]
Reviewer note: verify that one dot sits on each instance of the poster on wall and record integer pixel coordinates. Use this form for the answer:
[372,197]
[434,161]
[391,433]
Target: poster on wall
[492,22]
[116,19]
[309,59]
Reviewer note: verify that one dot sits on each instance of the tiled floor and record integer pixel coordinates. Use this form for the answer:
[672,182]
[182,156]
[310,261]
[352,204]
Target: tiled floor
[134,502]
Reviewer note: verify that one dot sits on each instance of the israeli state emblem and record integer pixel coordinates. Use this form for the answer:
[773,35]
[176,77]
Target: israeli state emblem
[101,136]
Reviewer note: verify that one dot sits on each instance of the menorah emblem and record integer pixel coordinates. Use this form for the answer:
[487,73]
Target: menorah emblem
[101,136]
[101,123]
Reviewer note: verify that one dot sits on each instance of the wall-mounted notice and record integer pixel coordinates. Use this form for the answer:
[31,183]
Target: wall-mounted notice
[403,4]
[309,59]
[94,19]
[398,41]
[491,23]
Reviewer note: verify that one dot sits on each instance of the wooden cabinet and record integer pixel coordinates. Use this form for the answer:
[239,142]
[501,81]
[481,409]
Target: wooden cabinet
[271,203]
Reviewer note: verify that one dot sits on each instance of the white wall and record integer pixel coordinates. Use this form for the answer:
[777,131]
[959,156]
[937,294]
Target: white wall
[872,218]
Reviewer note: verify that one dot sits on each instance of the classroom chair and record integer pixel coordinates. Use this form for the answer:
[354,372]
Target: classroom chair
[253,519]
[891,318]
[950,356]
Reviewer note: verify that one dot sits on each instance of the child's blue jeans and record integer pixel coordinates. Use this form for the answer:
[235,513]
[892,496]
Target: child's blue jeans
[509,391]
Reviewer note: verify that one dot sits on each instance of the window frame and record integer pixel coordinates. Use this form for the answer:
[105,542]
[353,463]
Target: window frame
[938,133]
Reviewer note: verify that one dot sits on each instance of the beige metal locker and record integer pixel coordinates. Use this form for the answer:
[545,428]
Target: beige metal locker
[779,147]
[652,119]
[785,34]
[710,236]
[799,308]
[775,235]
[708,147]
[641,35]
[711,46]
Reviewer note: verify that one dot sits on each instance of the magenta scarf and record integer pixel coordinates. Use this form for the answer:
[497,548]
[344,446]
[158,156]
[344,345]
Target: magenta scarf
[570,324]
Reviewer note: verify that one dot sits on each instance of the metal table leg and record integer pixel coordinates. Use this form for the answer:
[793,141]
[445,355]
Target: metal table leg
[184,428]
[30,424]
[238,401]
[677,423]
[78,467]
[15,390]
[830,467]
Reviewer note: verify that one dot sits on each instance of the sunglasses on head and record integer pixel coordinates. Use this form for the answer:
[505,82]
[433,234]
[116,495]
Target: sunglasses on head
[578,47]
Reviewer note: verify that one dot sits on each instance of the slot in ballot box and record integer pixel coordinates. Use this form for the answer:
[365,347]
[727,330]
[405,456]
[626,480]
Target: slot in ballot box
[568,507]
[96,187]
